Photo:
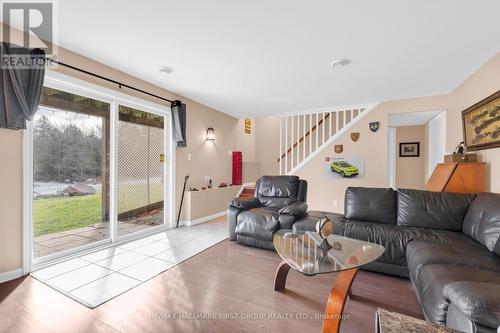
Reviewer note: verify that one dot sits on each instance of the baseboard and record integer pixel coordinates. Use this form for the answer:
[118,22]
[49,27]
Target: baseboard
[204,219]
[11,275]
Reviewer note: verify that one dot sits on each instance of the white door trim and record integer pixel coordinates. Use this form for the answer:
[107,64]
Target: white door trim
[392,156]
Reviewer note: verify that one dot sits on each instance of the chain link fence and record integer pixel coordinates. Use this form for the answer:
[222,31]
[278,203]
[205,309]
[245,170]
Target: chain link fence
[140,168]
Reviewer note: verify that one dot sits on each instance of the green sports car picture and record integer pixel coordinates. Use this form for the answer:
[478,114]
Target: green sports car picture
[344,169]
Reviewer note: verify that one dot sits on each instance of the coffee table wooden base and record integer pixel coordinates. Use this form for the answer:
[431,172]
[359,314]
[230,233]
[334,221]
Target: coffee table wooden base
[336,301]
[280,276]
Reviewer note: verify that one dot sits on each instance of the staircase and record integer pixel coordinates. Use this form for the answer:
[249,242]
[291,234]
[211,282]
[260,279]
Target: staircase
[304,135]
[248,192]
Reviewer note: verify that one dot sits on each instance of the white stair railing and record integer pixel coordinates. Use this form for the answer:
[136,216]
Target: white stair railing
[303,135]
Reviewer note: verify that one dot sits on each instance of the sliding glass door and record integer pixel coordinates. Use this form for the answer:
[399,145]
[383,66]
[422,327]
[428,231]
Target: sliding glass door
[141,173]
[70,172]
[101,170]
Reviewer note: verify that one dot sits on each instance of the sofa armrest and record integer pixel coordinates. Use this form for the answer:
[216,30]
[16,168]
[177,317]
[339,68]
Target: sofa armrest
[245,204]
[478,302]
[297,208]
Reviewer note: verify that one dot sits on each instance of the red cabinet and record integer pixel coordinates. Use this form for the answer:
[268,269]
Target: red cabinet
[237,168]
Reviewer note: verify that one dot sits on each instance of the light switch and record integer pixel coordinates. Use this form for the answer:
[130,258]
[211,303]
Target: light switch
[189,157]
[335,203]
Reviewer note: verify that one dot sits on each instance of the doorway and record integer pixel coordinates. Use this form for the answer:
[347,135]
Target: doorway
[99,171]
[416,144]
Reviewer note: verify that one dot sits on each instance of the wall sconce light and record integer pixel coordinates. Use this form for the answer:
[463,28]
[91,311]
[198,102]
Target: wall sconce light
[210,134]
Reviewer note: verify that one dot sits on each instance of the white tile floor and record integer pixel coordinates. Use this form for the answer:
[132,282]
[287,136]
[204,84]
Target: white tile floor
[97,277]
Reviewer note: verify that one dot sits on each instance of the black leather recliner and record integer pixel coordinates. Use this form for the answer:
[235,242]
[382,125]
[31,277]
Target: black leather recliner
[278,202]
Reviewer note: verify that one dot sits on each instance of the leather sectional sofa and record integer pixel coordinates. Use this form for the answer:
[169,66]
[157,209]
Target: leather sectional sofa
[279,201]
[448,244]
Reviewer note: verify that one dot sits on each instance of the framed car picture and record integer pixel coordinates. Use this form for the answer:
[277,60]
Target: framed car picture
[409,149]
[481,124]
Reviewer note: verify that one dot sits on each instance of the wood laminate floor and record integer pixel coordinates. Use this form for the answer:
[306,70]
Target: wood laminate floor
[227,288]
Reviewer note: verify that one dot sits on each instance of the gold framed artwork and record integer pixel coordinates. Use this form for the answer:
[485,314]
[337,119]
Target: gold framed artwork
[481,124]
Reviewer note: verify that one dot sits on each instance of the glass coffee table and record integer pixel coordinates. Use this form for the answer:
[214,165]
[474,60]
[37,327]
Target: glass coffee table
[301,251]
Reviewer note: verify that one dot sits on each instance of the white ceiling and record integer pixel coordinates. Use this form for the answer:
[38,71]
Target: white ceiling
[411,118]
[261,57]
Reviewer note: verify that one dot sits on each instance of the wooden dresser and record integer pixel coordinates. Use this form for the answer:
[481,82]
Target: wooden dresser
[458,178]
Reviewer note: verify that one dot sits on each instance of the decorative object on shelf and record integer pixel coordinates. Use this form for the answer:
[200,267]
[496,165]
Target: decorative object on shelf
[468,157]
[223,184]
[194,189]
[460,149]
[210,134]
[481,124]
[345,167]
[203,188]
[409,149]
[248,126]
[374,126]
[354,136]
[208,181]
[339,149]
[324,227]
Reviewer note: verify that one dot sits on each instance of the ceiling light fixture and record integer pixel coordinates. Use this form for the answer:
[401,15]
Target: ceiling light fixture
[340,63]
[166,69]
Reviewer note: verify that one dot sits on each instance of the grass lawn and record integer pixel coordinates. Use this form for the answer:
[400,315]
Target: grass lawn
[53,215]
[66,213]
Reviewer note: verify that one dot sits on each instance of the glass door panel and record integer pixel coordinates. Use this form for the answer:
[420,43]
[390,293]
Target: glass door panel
[141,163]
[70,172]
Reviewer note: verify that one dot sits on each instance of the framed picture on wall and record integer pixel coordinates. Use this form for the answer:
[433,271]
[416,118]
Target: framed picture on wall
[481,124]
[409,149]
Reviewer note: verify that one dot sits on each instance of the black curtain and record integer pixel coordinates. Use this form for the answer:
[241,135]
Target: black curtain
[20,85]
[179,121]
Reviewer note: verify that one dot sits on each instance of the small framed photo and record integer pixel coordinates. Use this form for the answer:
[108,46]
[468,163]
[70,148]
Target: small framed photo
[409,149]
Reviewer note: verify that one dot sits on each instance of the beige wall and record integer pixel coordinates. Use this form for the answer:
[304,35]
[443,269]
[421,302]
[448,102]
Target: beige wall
[410,171]
[208,158]
[373,146]
[200,204]
[267,144]
[323,190]
[479,85]
[10,200]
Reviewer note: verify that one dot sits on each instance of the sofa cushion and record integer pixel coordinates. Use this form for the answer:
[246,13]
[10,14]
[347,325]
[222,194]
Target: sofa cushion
[482,221]
[436,210]
[370,204]
[463,252]
[432,279]
[477,301]
[277,191]
[260,223]
[394,238]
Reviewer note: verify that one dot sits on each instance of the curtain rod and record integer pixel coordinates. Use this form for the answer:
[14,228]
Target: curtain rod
[120,84]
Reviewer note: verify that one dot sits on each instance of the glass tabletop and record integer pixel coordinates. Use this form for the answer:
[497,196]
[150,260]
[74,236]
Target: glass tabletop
[302,251]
